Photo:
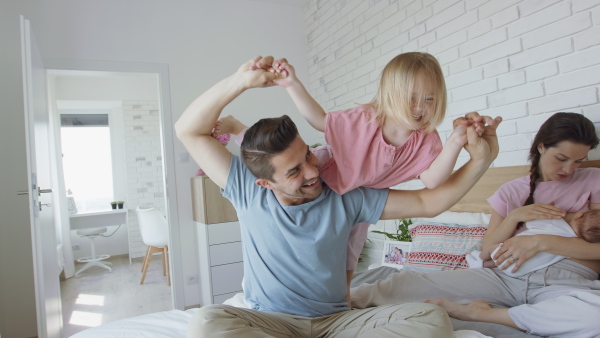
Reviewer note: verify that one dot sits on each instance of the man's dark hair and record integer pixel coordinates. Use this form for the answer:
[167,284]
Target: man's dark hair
[265,139]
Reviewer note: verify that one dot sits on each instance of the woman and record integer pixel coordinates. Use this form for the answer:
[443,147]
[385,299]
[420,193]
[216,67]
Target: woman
[535,302]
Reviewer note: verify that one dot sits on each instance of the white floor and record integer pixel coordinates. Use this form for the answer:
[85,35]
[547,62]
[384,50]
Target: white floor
[99,296]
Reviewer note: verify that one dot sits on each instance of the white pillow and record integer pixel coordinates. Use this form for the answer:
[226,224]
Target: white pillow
[464,218]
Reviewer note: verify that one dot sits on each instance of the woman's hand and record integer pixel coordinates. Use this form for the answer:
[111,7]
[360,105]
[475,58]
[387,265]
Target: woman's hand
[536,211]
[517,250]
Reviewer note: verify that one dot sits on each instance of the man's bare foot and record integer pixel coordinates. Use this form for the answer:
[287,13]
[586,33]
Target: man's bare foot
[463,312]
[228,125]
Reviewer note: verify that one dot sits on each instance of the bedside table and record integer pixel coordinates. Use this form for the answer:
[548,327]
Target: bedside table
[219,238]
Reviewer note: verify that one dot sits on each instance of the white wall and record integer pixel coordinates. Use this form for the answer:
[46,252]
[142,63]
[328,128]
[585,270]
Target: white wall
[201,41]
[521,59]
[143,157]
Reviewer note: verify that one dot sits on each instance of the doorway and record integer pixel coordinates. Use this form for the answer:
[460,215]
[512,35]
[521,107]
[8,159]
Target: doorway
[138,111]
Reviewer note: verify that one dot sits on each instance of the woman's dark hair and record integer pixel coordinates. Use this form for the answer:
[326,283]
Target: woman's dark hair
[559,127]
[265,139]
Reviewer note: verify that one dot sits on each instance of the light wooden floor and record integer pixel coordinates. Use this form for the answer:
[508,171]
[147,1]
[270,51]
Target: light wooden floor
[99,296]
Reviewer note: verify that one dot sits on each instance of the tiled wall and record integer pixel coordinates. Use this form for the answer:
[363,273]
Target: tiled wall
[141,124]
[521,59]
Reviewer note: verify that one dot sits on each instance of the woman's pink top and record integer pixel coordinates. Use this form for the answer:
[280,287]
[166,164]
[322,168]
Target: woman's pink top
[362,158]
[572,194]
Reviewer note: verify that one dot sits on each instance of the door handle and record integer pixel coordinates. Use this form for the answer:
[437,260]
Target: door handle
[23,192]
[43,191]
[42,204]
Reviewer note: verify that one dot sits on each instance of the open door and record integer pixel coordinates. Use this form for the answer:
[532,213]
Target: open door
[43,234]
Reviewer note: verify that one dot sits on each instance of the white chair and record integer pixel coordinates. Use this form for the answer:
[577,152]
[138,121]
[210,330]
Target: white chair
[92,260]
[155,234]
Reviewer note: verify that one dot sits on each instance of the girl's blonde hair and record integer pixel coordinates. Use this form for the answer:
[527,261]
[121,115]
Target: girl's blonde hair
[394,95]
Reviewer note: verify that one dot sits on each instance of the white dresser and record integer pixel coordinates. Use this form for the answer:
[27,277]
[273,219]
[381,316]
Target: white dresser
[219,238]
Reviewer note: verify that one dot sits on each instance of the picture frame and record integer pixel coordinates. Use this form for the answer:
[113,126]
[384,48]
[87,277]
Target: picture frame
[394,253]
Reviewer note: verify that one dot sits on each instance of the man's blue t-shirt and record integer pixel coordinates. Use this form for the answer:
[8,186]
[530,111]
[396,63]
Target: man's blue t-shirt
[295,256]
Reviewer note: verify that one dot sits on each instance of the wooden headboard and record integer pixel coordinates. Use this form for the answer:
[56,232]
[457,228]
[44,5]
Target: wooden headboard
[476,199]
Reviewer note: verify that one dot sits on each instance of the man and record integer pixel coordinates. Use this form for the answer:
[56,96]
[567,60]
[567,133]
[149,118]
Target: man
[295,230]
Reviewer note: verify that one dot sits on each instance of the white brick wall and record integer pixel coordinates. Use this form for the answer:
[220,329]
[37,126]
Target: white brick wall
[141,124]
[521,59]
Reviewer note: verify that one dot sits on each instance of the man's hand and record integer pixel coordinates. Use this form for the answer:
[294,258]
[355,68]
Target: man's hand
[484,145]
[256,73]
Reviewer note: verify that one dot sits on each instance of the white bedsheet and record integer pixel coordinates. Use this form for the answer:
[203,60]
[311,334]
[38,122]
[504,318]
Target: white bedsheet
[165,324]
[173,324]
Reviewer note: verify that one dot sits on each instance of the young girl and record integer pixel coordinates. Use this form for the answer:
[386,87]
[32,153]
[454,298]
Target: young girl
[391,139]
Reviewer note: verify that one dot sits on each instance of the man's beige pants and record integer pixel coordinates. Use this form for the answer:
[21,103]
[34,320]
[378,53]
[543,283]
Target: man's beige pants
[401,320]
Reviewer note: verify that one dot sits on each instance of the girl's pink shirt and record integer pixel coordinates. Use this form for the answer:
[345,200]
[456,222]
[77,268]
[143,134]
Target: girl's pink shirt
[362,158]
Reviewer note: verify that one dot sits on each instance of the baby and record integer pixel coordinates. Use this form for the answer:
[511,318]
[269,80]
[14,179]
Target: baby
[584,224]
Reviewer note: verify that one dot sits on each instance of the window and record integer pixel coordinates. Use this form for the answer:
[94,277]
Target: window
[87,160]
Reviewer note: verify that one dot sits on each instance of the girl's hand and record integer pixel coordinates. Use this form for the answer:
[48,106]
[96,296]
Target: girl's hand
[458,136]
[287,73]
[280,68]
[536,211]
[517,250]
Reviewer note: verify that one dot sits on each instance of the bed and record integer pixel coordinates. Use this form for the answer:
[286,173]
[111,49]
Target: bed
[173,324]
[465,222]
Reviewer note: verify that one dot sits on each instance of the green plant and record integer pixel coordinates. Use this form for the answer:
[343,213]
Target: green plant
[120,202]
[402,234]
[316,145]
[113,203]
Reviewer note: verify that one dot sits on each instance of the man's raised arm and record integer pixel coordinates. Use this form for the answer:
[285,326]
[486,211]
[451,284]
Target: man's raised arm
[195,125]
[431,202]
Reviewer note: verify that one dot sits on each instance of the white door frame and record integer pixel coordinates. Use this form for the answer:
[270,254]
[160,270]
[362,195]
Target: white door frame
[169,182]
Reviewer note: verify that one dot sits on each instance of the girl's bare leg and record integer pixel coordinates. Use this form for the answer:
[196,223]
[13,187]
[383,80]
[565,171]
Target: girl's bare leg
[478,311]
[228,125]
